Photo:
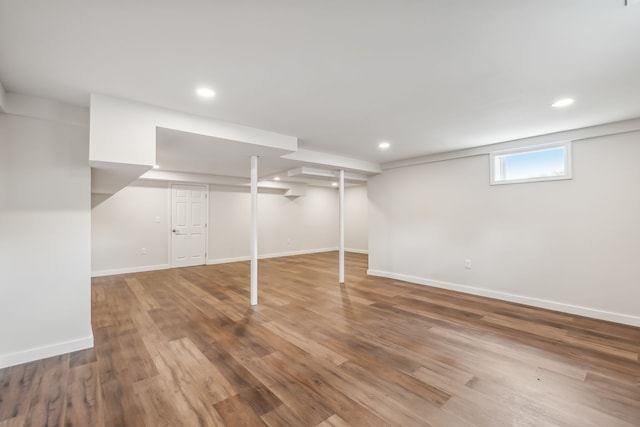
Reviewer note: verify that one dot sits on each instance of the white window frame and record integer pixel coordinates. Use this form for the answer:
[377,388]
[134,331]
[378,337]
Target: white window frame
[530,149]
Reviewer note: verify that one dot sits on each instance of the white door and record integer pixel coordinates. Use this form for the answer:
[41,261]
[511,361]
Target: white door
[188,225]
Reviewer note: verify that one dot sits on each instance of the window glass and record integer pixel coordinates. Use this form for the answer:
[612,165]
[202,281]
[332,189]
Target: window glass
[531,164]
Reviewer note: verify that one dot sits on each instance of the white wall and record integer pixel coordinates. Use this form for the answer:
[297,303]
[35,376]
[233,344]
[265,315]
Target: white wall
[286,225]
[45,288]
[125,223]
[356,223]
[568,245]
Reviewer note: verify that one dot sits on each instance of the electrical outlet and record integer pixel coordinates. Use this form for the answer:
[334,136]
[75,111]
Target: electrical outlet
[467,263]
[157,219]
[143,251]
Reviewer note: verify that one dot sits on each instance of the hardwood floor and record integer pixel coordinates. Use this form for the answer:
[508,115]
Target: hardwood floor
[184,348]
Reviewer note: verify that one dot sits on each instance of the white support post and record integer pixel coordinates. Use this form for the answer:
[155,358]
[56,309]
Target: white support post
[254,230]
[341,245]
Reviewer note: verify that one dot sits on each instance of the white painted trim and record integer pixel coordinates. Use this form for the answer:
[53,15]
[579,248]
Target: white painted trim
[272,255]
[535,302]
[142,269]
[228,260]
[46,351]
[574,135]
[357,251]
[127,270]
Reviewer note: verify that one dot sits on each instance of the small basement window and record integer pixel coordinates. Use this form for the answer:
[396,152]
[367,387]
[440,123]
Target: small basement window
[542,163]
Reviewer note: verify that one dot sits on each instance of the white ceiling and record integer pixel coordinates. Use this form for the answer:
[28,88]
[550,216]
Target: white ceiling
[179,151]
[183,151]
[428,76]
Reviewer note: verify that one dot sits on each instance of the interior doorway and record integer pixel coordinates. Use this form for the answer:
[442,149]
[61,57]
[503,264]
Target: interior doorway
[189,213]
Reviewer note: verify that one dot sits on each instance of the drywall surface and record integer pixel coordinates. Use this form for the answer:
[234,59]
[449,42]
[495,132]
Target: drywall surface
[356,219]
[568,245]
[130,230]
[286,225]
[45,287]
[124,131]
[138,217]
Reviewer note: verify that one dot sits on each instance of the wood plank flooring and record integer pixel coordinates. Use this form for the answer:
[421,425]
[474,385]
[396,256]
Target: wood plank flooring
[183,347]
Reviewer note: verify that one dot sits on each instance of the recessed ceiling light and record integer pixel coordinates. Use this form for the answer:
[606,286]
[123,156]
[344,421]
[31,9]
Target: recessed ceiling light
[563,102]
[205,92]
[335,184]
[276,178]
[156,166]
[384,145]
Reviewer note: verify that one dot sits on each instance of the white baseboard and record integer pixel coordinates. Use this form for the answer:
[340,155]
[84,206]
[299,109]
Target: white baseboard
[535,302]
[227,260]
[357,251]
[126,270]
[38,353]
[271,255]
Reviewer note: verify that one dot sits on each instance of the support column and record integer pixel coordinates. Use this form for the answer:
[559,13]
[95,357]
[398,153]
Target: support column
[254,230]
[341,243]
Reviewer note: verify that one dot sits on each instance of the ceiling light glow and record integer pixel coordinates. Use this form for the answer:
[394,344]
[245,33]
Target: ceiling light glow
[205,92]
[335,184]
[156,166]
[563,102]
[384,145]
[277,178]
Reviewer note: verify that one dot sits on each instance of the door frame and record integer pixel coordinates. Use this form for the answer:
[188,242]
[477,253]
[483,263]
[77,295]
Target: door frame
[170,185]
